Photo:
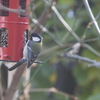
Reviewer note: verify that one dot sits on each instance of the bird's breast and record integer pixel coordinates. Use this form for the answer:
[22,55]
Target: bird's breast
[35,47]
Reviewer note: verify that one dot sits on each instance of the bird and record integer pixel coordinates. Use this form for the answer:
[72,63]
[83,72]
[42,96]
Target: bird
[31,51]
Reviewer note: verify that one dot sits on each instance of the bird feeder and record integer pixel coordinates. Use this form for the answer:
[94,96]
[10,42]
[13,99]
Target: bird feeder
[13,30]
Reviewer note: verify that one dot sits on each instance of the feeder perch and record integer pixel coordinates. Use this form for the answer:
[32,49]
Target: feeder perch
[13,30]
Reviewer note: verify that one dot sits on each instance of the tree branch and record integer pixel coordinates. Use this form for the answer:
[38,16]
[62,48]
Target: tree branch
[42,20]
[80,58]
[54,90]
[91,15]
[65,23]
[18,11]
[12,89]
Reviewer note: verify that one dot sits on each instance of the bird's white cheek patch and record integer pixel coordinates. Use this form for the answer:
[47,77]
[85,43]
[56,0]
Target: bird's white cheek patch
[35,39]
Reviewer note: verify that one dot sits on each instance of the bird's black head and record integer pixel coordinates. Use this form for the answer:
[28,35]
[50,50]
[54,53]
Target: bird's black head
[36,37]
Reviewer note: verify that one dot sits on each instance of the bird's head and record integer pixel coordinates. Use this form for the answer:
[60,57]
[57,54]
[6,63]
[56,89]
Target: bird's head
[36,37]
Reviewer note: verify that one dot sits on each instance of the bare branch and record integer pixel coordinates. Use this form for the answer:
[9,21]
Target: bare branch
[46,31]
[18,11]
[91,15]
[90,40]
[80,58]
[42,20]
[61,19]
[14,83]
[65,23]
[54,90]
[45,15]
[75,49]
[91,49]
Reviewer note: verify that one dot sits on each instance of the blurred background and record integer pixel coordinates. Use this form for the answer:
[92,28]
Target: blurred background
[63,78]
[66,74]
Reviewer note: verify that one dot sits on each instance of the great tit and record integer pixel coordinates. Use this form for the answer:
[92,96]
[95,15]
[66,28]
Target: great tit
[31,51]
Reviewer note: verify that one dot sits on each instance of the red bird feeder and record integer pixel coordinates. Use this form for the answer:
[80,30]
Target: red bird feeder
[13,30]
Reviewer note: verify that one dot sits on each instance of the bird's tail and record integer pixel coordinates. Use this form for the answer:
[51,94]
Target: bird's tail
[17,64]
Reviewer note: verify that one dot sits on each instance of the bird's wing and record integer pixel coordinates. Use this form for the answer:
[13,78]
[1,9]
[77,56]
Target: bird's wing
[17,64]
[32,61]
[30,57]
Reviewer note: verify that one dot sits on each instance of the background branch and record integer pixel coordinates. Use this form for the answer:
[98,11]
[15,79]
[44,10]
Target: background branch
[18,11]
[91,15]
[90,61]
[65,23]
[45,15]
[54,90]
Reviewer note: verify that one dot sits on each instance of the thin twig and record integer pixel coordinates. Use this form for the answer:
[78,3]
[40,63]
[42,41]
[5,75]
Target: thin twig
[80,58]
[54,90]
[42,20]
[18,11]
[90,40]
[91,15]
[91,49]
[98,16]
[44,29]
[55,48]
[65,23]
[62,19]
